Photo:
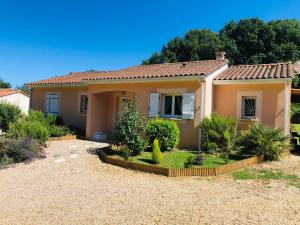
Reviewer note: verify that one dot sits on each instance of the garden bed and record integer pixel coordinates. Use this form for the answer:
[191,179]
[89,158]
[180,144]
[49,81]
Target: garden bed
[210,168]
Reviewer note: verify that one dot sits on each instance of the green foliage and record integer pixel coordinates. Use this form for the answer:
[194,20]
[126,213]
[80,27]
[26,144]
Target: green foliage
[125,152]
[244,174]
[157,156]
[31,129]
[197,160]
[248,41]
[24,89]
[296,81]
[213,131]
[295,109]
[231,138]
[166,131]
[8,114]
[4,84]
[262,140]
[37,126]
[18,150]
[128,127]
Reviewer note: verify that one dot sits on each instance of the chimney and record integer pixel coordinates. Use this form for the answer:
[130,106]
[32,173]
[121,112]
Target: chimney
[220,55]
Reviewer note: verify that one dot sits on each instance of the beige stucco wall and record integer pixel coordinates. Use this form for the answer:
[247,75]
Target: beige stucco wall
[106,95]
[273,102]
[69,103]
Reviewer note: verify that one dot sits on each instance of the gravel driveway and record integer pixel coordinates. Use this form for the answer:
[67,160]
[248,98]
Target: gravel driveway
[72,186]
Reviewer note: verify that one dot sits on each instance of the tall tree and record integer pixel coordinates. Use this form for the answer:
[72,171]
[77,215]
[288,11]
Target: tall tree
[248,41]
[24,89]
[4,84]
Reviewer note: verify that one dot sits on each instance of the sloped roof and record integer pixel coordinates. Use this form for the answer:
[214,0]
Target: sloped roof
[9,91]
[259,71]
[204,67]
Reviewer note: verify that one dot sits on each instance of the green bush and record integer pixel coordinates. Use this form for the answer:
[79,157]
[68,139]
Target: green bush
[212,132]
[157,157]
[262,140]
[30,129]
[8,114]
[18,150]
[37,126]
[127,129]
[166,131]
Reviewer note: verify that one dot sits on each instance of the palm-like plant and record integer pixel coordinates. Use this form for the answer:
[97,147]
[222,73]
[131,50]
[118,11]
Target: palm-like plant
[263,140]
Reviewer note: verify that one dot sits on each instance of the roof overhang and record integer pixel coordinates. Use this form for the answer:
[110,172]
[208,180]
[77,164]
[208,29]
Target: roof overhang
[254,81]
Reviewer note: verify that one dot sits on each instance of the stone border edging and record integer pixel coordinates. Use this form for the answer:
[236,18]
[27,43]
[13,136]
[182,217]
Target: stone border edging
[180,172]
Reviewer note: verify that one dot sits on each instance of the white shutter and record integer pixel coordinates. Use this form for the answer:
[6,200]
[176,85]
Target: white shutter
[153,104]
[188,105]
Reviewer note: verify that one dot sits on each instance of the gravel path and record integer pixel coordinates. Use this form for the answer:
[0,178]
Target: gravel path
[72,186]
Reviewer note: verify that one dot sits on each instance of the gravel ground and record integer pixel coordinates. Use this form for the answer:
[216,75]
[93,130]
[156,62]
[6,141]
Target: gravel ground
[72,186]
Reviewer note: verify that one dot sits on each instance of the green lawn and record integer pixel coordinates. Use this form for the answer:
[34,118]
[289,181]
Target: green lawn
[296,128]
[267,175]
[176,159]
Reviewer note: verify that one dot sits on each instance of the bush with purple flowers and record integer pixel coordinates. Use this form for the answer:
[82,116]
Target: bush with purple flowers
[19,150]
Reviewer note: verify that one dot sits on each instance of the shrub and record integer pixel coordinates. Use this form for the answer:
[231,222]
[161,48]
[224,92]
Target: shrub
[262,140]
[58,131]
[8,114]
[212,132]
[125,152]
[18,150]
[230,142]
[166,131]
[127,129]
[30,129]
[157,157]
[194,160]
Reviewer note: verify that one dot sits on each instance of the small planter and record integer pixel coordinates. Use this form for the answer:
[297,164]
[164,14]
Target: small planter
[63,138]
[180,172]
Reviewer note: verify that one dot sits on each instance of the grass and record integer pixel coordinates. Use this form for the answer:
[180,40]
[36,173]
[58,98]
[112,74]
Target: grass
[267,175]
[176,159]
[296,128]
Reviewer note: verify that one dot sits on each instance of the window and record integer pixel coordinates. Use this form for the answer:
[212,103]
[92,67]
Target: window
[172,105]
[52,104]
[83,103]
[248,107]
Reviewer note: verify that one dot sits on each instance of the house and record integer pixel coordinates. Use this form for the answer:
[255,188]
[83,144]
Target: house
[15,97]
[185,92]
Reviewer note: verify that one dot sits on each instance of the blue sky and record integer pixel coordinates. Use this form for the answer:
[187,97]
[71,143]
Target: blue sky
[40,39]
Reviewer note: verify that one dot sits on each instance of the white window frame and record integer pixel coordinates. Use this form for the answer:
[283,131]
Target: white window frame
[258,110]
[59,100]
[172,115]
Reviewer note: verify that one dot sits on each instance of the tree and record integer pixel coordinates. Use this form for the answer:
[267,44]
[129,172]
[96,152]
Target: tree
[248,41]
[24,89]
[4,84]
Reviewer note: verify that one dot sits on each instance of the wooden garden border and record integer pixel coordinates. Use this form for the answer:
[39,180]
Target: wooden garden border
[180,172]
[63,138]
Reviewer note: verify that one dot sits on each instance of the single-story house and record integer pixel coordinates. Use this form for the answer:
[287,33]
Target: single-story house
[185,92]
[15,97]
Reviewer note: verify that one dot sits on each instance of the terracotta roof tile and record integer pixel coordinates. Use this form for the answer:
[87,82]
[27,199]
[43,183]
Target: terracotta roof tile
[259,71]
[8,91]
[204,67]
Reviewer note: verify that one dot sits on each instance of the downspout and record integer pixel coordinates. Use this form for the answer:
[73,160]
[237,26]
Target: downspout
[200,114]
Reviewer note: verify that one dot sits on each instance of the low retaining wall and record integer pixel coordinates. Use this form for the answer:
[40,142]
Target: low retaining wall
[63,138]
[180,172]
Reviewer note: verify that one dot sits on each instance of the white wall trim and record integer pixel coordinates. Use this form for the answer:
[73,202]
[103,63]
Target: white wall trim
[240,95]
[286,96]
[209,90]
